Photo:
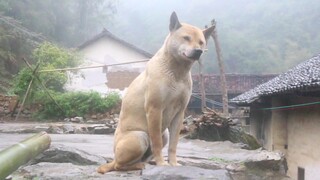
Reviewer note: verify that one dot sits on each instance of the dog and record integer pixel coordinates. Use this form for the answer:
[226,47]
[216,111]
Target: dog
[153,108]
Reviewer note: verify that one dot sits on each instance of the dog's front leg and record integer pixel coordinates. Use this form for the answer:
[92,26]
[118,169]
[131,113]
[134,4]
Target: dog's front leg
[174,130]
[154,116]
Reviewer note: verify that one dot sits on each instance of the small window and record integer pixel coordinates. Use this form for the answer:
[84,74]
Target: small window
[300,173]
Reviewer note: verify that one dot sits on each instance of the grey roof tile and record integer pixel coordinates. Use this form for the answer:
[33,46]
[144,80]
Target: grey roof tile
[304,75]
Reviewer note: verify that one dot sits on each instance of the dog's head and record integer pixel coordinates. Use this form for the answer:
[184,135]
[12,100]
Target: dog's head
[185,41]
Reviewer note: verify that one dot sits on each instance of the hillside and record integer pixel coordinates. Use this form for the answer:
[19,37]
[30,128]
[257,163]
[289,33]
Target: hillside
[263,36]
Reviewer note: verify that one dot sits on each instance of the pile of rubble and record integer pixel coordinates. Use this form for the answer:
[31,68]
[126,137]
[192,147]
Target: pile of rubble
[212,126]
[76,125]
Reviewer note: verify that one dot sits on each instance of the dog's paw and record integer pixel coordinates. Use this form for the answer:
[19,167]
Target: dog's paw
[163,163]
[104,168]
[175,164]
[101,170]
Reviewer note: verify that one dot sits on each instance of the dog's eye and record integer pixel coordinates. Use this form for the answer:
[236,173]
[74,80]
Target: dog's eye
[201,43]
[187,38]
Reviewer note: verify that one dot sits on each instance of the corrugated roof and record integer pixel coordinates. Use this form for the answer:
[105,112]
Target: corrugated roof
[106,33]
[304,75]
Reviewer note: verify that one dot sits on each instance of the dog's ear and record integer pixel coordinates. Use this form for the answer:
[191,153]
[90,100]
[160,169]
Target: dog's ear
[174,22]
[208,31]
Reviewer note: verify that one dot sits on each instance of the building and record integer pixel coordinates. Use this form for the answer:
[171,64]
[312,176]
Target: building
[236,84]
[285,116]
[107,49]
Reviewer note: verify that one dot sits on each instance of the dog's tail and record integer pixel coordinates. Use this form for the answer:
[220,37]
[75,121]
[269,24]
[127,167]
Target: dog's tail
[107,167]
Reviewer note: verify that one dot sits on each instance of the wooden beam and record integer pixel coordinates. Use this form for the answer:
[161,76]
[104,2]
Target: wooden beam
[96,66]
[224,91]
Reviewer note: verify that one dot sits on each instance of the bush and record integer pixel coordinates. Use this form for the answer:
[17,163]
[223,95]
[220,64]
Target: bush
[49,56]
[75,104]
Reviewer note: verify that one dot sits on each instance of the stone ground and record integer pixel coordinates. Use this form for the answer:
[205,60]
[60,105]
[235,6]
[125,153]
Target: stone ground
[200,159]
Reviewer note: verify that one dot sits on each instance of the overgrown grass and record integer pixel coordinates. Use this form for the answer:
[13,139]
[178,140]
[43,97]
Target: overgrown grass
[74,104]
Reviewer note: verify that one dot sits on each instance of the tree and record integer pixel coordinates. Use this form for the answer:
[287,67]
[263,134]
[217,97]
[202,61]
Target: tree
[48,56]
[66,22]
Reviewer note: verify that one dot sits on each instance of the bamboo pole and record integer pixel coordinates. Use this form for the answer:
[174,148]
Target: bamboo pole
[221,68]
[16,155]
[27,92]
[43,86]
[96,66]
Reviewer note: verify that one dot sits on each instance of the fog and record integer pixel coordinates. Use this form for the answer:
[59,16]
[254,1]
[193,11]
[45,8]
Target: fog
[256,36]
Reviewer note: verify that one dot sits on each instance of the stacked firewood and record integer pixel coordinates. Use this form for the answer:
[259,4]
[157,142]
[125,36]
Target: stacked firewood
[212,118]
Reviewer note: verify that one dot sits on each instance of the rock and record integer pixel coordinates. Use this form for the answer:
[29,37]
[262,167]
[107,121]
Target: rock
[68,171]
[81,130]
[62,171]
[41,128]
[77,119]
[94,116]
[66,119]
[183,172]
[266,160]
[68,129]
[54,130]
[201,163]
[64,154]
[92,127]
[103,130]
[236,167]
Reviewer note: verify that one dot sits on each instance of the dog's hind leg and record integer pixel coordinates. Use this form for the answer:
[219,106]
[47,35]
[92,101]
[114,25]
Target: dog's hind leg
[129,151]
[148,156]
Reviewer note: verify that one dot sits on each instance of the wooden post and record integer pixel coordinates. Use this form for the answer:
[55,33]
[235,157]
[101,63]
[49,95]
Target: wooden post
[202,87]
[221,68]
[43,86]
[27,92]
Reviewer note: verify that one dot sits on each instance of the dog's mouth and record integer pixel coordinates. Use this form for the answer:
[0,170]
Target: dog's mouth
[193,54]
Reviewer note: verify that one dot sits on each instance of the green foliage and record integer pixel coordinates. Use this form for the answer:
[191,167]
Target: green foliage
[67,22]
[48,56]
[75,104]
[265,36]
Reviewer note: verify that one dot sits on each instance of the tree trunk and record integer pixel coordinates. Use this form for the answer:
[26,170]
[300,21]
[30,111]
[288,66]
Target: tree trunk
[221,68]
[16,155]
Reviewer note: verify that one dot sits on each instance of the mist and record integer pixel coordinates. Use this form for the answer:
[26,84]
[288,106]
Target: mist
[256,36]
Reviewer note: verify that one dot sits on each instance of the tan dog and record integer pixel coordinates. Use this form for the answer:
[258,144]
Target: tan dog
[156,101]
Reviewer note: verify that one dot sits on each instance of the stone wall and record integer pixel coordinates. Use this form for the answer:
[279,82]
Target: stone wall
[295,132]
[303,139]
[7,104]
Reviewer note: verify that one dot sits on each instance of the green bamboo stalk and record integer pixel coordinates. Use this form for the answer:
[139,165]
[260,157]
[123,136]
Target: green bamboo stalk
[19,154]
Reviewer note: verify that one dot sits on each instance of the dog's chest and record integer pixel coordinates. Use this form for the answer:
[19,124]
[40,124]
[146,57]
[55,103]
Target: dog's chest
[177,99]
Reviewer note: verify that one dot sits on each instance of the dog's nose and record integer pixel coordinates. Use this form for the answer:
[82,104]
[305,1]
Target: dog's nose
[196,54]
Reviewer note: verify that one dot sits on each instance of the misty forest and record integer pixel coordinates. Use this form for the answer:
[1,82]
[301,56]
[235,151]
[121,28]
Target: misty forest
[257,37]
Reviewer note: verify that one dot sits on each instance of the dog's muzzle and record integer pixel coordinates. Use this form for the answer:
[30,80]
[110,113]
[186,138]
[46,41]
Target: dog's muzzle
[195,54]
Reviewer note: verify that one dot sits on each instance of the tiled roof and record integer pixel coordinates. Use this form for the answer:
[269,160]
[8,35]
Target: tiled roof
[106,33]
[236,83]
[304,75]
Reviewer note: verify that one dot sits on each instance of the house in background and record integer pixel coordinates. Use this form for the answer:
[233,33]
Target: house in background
[285,116]
[105,49]
[236,85]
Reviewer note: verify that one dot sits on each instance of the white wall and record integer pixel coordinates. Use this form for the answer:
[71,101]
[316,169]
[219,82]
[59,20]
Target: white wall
[104,51]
